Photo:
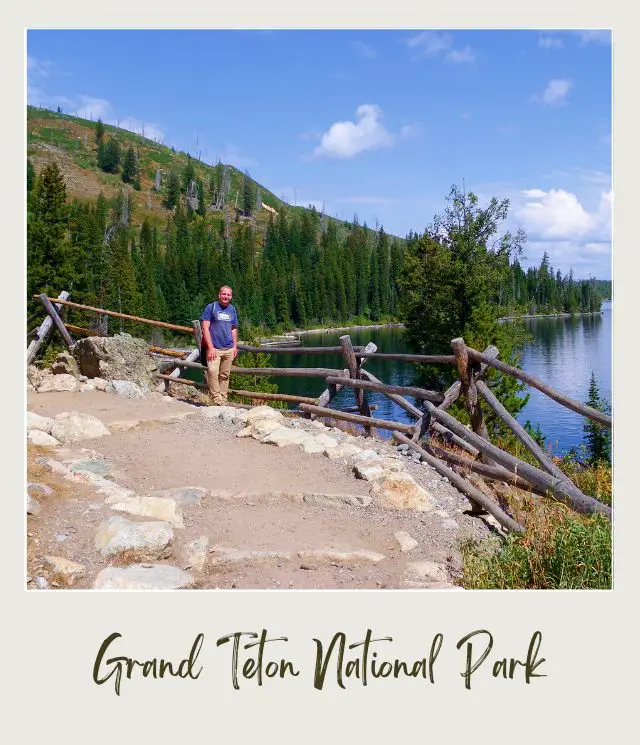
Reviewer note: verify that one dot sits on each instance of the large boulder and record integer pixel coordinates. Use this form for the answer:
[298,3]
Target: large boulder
[65,364]
[121,357]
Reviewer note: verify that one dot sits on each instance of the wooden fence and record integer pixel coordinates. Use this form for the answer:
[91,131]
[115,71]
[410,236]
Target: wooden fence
[430,420]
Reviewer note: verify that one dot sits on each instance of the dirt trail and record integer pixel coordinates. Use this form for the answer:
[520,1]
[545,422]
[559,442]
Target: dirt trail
[260,519]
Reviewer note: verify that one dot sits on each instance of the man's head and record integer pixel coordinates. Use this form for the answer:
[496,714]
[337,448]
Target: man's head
[225,293]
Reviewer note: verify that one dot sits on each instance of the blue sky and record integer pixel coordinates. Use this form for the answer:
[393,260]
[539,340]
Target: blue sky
[374,123]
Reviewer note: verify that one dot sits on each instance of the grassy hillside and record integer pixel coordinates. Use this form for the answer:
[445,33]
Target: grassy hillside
[71,142]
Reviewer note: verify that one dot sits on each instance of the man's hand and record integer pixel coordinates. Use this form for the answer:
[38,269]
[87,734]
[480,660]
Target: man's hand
[235,352]
[211,354]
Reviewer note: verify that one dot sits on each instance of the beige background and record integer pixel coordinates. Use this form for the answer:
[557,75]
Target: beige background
[50,639]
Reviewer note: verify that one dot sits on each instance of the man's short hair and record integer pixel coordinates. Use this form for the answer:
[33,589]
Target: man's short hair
[225,287]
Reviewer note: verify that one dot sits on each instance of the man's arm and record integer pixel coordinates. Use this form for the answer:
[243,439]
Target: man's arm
[234,335]
[206,335]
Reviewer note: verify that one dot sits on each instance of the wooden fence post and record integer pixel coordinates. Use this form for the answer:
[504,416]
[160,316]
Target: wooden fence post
[469,390]
[354,372]
[43,331]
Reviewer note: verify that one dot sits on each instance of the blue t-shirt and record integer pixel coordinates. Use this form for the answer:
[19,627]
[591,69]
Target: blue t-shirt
[222,320]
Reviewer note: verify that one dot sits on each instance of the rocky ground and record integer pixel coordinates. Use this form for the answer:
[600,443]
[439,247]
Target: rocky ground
[151,492]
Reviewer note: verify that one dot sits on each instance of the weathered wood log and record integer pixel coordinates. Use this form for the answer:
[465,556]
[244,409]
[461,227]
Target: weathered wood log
[434,359]
[569,403]
[474,494]
[452,393]
[465,371]
[356,418]
[197,333]
[332,390]
[176,372]
[246,394]
[493,473]
[102,311]
[354,374]
[563,490]
[367,385]
[293,350]
[283,372]
[519,431]
[44,330]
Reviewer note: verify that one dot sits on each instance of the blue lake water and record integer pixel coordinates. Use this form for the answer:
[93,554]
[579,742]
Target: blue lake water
[562,353]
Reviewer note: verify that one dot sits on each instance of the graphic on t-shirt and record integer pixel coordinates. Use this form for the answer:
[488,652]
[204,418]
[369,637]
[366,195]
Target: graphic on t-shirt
[224,316]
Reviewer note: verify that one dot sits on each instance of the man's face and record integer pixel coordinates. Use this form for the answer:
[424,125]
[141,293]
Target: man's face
[224,296]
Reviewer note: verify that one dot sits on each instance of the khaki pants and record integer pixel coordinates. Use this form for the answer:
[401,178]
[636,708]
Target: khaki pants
[218,371]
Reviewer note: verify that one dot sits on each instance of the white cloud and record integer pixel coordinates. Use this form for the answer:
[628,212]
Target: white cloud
[365,50]
[94,108]
[348,139]
[554,215]
[546,41]
[594,36]
[147,129]
[434,44]
[38,67]
[461,55]
[555,94]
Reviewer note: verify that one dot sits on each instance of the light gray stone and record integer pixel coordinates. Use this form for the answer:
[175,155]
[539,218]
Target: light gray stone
[42,423]
[285,436]
[143,577]
[41,583]
[126,389]
[42,488]
[58,384]
[401,492]
[33,506]
[426,571]
[230,556]
[405,541]
[337,500]
[184,495]
[343,450]
[260,428]
[342,557]
[64,566]
[157,507]
[147,540]
[318,444]
[195,554]
[119,357]
[262,412]
[73,426]
[42,439]
[369,471]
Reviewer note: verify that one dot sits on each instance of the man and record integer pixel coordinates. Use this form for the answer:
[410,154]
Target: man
[219,322]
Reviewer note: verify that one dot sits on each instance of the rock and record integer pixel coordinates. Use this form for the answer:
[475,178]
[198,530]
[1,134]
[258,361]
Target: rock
[183,495]
[126,389]
[400,491]
[120,357]
[262,412]
[46,490]
[123,425]
[426,571]
[369,471]
[41,583]
[100,384]
[73,426]
[64,566]
[57,384]
[158,507]
[402,448]
[143,577]
[229,556]
[41,423]
[344,450]
[33,506]
[35,376]
[450,524]
[87,387]
[146,540]
[285,436]
[318,425]
[112,490]
[405,541]
[65,364]
[337,500]
[342,557]
[195,554]
[42,439]
[260,428]
[365,455]
[318,444]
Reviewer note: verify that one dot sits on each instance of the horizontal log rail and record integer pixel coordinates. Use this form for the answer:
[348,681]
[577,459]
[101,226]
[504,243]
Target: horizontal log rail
[367,385]
[247,394]
[137,319]
[433,359]
[366,421]
[293,350]
[569,403]
[469,490]
[284,372]
[565,491]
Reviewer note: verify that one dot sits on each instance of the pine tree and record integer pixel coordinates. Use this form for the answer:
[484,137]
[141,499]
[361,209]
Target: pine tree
[597,437]
[50,256]
[173,190]
[31,174]
[99,132]
[188,174]
[130,167]
[109,155]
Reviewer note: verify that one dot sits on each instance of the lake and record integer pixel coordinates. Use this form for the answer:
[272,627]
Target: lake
[562,353]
